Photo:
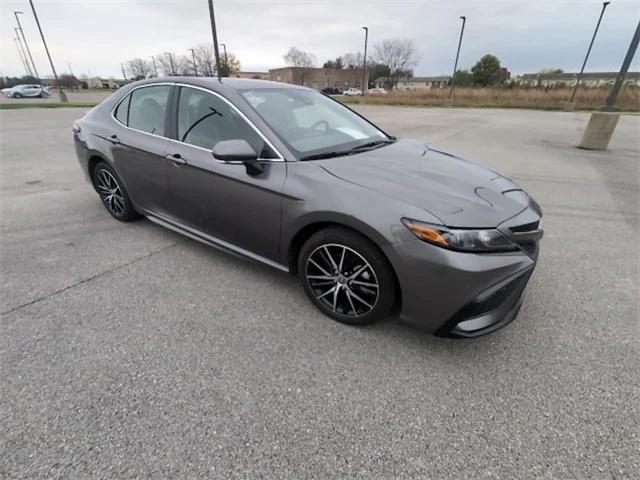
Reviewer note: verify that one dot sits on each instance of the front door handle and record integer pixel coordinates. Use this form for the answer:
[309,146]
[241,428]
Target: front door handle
[177,159]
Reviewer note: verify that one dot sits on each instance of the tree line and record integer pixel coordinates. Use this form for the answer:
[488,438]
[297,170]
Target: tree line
[201,62]
[392,59]
[395,58]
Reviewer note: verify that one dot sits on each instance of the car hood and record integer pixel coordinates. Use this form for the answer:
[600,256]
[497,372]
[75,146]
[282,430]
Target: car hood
[459,192]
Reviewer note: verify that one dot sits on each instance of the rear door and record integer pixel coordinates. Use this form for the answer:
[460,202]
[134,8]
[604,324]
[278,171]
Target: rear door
[223,199]
[139,145]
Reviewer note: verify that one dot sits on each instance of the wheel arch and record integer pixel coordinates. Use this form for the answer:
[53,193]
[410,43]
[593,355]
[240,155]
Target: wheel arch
[305,232]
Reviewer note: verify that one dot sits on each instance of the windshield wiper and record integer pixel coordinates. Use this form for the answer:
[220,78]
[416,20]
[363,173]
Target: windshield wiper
[366,146]
[320,156]
[370,145]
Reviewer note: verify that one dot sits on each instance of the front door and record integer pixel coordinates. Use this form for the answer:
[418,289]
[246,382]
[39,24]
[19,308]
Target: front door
[222,199]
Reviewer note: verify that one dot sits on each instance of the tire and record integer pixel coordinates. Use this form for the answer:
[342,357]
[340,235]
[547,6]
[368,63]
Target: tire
[17,95]
[113,195]
[364,281]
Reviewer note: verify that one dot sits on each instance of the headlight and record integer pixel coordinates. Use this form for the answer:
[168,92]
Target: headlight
[489,240]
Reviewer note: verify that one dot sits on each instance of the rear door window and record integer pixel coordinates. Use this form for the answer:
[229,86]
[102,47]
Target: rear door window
[148,107]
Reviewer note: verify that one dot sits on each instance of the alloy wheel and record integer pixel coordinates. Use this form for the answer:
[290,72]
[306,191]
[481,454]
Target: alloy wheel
[110,192]
[342,280]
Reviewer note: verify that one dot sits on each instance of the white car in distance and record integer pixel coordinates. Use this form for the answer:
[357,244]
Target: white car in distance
[352,92]
[26,91]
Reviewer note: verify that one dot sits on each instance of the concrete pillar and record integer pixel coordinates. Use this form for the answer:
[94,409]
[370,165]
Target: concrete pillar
[599,130]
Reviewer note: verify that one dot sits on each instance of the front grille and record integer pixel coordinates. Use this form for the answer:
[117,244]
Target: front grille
[527,227]
[530,248]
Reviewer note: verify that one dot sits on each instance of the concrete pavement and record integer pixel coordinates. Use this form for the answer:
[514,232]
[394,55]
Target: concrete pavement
[128,351]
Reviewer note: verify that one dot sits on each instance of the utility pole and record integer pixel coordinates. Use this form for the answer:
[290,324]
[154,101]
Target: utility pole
[124,75]
[215,37]
[455,65]
[26,61]
[24,39]
[610,104]
[70,71]
[364,62]
[63,97]
[195,66]
[24,64]
[155,67]
[570,106]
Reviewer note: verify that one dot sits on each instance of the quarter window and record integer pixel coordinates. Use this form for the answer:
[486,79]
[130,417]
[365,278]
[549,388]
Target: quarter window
[147,108]
[205,119]
[122,112]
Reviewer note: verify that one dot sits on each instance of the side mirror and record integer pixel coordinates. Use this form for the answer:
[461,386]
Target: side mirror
[238,151]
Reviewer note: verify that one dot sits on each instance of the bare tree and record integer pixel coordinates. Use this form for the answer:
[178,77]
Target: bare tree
[206,59]
[300,59]
[171,64]
[399,55]
[229,64]
[353,60]
[138,68]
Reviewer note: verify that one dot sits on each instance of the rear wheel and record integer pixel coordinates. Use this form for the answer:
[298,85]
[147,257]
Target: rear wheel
[112,193]
[346,276]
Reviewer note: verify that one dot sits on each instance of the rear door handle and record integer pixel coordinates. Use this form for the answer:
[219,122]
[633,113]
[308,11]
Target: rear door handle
[176,158]
[114,139]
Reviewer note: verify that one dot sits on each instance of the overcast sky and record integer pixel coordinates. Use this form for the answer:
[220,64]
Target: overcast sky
[94,36]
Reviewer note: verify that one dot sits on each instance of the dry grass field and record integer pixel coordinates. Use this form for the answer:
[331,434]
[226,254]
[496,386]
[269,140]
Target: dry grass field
[551,99]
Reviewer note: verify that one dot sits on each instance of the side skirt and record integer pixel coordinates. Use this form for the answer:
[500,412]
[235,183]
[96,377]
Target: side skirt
[212,241]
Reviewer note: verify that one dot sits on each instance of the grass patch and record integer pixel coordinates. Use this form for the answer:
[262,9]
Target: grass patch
[16,106]
[499,97]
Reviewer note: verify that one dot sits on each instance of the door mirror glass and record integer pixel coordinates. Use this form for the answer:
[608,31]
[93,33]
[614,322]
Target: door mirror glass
[234,151]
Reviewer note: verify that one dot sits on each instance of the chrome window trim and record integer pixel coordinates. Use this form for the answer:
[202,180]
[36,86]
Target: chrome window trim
[175,84]
[113,110]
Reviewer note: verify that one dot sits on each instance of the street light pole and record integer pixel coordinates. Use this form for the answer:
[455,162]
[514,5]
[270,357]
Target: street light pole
[364,62]
[155,67]
[20,53]
[455,65]
[24,39]
[610,105]
[63,97]
[595,32]
[26,61]
[124,75]
[195,67]
[212,18]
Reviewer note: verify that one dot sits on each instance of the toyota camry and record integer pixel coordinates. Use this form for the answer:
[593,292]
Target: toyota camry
[372,225]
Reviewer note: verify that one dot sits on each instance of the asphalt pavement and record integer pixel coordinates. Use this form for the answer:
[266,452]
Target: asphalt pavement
[129,351]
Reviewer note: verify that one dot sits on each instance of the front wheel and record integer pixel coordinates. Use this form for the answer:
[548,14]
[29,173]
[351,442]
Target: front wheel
[346,276]
[17,95]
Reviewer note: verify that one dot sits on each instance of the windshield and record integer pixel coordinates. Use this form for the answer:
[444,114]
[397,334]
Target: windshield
[311,124]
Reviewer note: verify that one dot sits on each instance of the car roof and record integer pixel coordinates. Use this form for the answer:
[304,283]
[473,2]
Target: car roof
[214,84]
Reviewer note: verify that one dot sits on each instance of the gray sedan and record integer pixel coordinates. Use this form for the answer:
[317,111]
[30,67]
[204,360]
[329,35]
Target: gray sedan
[373,225]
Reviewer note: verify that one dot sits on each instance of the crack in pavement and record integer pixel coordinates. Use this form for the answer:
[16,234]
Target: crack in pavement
[86,280]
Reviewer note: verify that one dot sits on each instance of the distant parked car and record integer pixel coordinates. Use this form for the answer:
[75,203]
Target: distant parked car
[377,91]
[331,91]
[352,92]
[20,91]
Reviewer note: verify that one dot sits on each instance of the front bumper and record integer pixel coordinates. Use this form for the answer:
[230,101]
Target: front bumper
[460,294]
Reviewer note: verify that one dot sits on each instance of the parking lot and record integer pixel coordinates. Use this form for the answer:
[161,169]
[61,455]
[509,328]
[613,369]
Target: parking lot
[129,351]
